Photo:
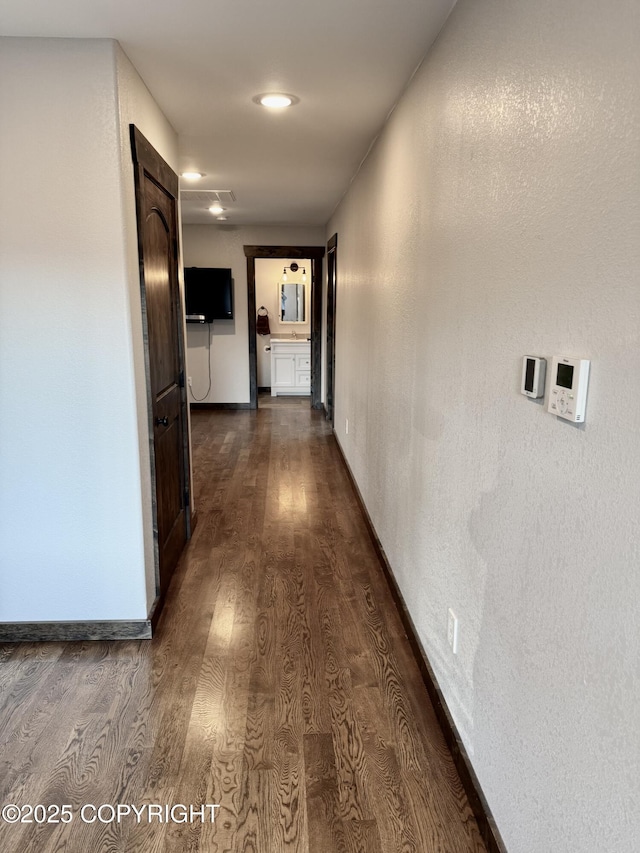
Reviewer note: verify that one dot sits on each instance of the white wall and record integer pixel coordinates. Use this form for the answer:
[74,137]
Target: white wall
[222,246]
[74,494]
[136,106]
[498,216]
[268,279]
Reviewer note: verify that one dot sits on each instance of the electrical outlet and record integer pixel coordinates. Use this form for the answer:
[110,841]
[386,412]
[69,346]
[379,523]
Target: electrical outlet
[452,631]
[189,382]
[346,426]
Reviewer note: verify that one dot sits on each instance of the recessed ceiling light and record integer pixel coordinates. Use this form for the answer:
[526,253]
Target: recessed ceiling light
[192,176]
[222,218]
[216,208]
[276,100]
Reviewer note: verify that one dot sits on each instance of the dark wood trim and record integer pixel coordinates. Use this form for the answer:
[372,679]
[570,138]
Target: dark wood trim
[316,334]
[155,612]
[315,254]
[220,406]
[330,372]
[477,800]
[36,632]
[253,343]
[295,252]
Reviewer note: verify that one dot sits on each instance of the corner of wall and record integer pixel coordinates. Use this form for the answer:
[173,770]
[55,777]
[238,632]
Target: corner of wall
[136,106]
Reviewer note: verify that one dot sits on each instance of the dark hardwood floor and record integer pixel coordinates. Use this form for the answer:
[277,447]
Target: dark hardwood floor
[279,683]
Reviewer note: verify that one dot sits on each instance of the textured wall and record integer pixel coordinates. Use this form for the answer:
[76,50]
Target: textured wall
[498,215]
[76,537]
[213,246]
[71,542]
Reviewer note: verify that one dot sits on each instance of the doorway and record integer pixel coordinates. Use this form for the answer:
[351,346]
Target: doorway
[283,344]
[297,253]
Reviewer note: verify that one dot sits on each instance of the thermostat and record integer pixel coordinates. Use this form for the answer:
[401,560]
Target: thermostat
[533,374]
[568,393]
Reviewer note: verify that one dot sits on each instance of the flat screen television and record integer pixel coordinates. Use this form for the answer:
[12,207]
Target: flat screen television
[208,294]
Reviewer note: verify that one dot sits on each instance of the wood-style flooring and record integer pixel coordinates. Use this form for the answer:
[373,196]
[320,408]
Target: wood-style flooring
[279,683]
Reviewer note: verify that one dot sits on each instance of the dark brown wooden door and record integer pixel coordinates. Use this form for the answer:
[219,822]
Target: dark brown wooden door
[156,199]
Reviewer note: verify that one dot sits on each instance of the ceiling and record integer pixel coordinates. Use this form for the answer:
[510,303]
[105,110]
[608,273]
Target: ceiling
[204,61]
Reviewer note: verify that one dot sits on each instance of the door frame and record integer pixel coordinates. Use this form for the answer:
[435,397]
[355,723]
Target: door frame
[332,286]
[315,254]
[146,160]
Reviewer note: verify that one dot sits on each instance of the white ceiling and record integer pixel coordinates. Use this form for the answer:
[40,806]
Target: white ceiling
[204,60]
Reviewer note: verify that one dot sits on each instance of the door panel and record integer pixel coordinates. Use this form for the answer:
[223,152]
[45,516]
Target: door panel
[167,440]
[156,199]
[161,307]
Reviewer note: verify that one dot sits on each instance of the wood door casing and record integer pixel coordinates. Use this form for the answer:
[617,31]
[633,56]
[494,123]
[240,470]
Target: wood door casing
[156,201]
[332,272]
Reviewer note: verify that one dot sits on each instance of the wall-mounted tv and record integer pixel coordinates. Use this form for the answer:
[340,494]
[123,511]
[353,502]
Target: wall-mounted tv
[208,294]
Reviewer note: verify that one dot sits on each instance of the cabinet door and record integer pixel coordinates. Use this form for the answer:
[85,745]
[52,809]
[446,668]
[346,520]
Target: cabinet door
[283,370]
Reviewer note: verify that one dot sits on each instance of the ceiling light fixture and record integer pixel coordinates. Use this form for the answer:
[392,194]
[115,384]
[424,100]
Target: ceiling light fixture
[276,100]
[217,208]
[192,176]
[222,219]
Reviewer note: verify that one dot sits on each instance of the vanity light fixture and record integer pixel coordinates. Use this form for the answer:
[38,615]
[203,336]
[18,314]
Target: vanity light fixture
[192,176]
[294,268]
[276,100]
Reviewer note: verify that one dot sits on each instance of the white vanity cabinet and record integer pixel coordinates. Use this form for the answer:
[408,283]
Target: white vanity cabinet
[290,367]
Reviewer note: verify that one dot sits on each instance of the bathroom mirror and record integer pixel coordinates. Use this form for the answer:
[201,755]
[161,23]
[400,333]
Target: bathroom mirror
[292,303]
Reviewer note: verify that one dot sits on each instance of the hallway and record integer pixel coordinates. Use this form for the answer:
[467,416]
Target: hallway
[279,683]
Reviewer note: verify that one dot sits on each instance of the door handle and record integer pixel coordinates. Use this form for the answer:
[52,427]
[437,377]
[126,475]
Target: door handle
[162,421]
